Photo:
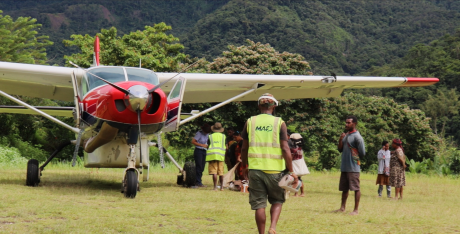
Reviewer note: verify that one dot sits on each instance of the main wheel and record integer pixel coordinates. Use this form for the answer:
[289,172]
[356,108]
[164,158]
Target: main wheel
[131,183]
[33,173]
[190,174]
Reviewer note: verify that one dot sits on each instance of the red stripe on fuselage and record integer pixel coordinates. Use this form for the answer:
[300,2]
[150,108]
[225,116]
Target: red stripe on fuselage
[103,98]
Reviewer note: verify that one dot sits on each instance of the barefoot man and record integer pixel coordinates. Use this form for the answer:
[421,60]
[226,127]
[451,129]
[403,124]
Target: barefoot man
[351,144]
[215,155]
[266,151]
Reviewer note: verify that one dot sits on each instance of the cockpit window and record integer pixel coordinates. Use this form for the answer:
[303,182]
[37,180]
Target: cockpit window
[142,75]
[112,74]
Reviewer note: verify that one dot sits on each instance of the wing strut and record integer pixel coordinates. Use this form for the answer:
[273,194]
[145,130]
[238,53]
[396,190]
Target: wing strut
[75,130]
[254,88]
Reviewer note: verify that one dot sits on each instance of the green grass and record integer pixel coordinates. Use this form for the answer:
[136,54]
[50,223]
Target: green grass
[76,200]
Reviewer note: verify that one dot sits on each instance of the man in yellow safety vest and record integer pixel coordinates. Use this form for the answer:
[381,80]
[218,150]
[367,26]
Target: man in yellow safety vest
[266,152]
[215,154]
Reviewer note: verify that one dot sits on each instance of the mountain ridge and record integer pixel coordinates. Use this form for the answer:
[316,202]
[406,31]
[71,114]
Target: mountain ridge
[347,37]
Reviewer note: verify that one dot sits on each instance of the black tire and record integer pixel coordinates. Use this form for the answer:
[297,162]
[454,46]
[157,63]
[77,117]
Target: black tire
[190,174]
[131,183]
[180,179]
[33,173]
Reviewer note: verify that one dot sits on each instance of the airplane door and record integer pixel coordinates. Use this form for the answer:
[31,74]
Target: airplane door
[174,105]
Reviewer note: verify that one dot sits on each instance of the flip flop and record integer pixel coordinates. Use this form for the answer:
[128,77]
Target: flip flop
[271,231]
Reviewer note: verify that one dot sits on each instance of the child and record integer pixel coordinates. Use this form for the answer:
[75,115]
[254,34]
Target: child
[383,177]
[297,154]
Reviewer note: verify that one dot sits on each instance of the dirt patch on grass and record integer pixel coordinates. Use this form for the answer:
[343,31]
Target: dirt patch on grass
[6,222]
[57,20]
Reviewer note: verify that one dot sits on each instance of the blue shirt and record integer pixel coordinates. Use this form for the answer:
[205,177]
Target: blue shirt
[357,142]
[201,138]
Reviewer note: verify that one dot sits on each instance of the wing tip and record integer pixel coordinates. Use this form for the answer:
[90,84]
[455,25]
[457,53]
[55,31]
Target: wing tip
[419,81]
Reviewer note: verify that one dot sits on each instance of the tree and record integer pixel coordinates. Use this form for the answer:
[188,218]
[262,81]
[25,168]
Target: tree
[440,58]
[153,47]
[321,120]
[253,58]
[33,135]
[19,41]
[258,58]
[440,107]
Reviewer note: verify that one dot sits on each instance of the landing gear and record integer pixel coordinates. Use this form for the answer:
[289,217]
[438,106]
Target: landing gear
[131,184]
[187,177]
[131,179]
[33,173]
[189,173]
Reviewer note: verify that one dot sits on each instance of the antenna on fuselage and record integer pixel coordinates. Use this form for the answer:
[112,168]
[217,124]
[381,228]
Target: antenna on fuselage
[140,63]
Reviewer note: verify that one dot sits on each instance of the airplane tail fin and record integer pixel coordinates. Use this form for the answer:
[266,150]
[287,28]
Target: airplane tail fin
[96,52]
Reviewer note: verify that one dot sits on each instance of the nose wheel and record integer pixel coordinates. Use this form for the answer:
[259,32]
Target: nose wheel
[131,180]
[130,184]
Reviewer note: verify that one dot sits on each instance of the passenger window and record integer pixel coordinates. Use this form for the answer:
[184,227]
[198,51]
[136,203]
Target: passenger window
[84,85]
[175,93]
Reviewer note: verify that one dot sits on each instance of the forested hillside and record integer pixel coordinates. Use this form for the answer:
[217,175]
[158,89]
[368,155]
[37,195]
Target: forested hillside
[62,18]
[440,58]
[342,36]
[346,37]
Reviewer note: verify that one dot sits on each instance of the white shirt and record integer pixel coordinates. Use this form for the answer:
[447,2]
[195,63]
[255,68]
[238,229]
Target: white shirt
[384,160]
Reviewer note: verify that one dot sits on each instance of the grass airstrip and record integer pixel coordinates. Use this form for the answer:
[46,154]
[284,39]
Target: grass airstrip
[80,200]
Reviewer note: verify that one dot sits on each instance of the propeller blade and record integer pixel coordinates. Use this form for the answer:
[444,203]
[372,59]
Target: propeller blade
[111,84]
[140,140]
[166,81]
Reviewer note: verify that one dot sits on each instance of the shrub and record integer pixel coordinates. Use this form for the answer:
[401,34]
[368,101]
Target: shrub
[455,163]
[373,168]
[30,151]
[11,156]
[418,167]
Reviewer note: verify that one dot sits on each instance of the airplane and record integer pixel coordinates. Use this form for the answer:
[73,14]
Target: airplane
[118,110]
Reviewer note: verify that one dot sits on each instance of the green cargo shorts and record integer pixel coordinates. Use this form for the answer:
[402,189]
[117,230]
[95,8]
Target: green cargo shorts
[263,185]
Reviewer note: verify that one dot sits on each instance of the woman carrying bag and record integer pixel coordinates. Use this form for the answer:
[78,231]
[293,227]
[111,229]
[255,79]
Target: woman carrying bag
[298,162]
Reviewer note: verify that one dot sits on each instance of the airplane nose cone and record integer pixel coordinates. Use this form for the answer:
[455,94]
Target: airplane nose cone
[138,97]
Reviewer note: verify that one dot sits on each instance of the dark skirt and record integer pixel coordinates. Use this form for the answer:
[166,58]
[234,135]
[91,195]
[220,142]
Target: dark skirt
[383,179]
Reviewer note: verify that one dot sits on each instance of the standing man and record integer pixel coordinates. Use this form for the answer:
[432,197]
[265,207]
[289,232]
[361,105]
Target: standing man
[200,141]
[266,152]
[230,160]
[351,144]
[240,172]
[229,138]
[215,155]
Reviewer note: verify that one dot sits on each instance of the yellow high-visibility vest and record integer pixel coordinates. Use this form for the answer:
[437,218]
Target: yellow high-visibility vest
[264,143]
[216,150]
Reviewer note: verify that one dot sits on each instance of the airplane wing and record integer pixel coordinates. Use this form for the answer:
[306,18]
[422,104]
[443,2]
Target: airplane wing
[202,88]
[37,81]
[55,83]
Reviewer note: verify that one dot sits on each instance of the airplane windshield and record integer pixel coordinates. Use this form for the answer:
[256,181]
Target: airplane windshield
[112,74]
[142,75]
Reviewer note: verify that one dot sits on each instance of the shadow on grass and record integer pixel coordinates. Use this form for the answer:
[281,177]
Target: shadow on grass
[70,183]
